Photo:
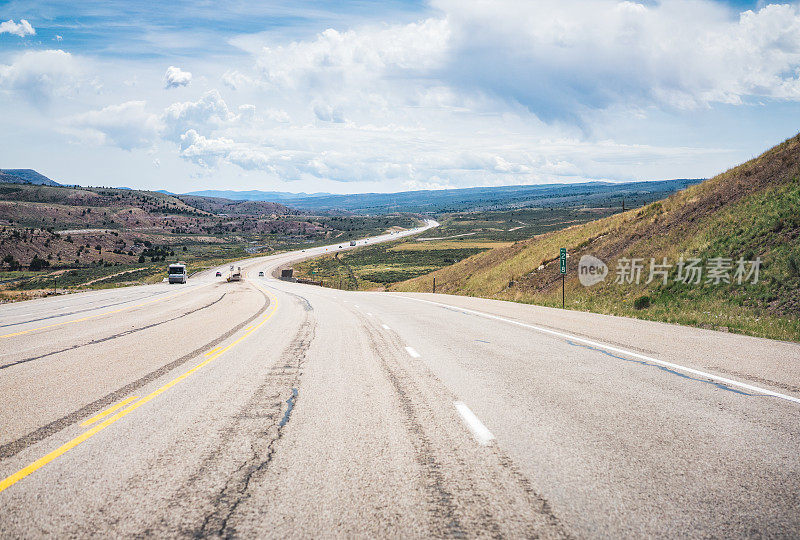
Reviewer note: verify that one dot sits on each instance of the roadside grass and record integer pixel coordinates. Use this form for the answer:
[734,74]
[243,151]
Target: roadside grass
[8,275]
[710,313]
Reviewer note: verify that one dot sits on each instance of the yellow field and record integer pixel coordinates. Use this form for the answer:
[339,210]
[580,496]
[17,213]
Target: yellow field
[447,244]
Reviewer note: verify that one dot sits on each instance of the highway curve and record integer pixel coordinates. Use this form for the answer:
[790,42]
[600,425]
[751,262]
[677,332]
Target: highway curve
[265,408]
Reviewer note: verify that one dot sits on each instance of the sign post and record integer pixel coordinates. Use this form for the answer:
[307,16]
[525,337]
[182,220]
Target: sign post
[563,261]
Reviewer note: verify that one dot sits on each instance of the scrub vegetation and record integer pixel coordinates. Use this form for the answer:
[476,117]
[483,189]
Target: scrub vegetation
[460,235]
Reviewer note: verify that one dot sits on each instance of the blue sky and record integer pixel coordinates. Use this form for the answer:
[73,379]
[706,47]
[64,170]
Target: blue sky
[386,96]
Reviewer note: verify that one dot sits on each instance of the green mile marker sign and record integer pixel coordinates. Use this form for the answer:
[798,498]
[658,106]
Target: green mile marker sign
[563,259]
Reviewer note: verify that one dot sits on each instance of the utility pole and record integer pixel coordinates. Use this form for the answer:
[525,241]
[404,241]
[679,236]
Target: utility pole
[434,284]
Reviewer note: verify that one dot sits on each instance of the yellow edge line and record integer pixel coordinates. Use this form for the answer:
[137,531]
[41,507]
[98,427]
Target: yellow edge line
[96,316]
[108,411]
[41,462]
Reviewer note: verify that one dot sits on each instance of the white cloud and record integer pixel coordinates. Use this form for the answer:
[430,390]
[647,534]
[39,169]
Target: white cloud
[327,113]
[21,29]
[561,58]
[39,76]
[175,77]
[353,57]
[206,114]
[498,92]
[127,125]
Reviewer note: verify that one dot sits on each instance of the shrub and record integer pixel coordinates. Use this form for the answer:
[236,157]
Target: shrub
[643,302]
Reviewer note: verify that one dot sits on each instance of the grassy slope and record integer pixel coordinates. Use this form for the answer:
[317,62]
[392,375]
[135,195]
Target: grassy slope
[749,211]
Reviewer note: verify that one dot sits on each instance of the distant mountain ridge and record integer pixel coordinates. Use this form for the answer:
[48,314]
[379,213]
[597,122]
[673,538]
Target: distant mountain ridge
[253,195]
[25,176]
[451,200]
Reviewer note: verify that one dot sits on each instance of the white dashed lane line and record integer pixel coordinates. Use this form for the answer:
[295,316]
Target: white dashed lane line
[481,432]
[412,352]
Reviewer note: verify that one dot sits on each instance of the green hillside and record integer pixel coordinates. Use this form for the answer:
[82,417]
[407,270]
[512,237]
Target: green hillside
[751,211]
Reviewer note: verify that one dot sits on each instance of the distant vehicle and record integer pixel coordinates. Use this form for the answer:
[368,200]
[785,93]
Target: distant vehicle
[177,273]
[352,242]
[236,276]
[219,274]
[261,274]
[340,247]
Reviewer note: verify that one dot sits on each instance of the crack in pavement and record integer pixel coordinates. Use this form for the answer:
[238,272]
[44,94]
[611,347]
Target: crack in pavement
[14,447]
[109,338]
[268,397]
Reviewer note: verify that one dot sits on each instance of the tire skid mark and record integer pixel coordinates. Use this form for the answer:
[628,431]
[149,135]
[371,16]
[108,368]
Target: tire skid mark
[14,447]
[443,508]
[114,336]
[488,524]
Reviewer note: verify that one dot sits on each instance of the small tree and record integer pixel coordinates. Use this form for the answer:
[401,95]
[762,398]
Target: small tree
[11,262]
[38,264]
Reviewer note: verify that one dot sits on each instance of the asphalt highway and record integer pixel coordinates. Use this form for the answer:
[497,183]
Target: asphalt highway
[265,408]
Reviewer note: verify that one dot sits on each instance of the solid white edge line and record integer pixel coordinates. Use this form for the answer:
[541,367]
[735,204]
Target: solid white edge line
[479,431]
[602,345]
[412,352]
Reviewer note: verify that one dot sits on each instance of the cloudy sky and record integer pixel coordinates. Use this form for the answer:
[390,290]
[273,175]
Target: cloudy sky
[352,96]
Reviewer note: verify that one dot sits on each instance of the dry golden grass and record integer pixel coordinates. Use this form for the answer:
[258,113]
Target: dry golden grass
[447,244]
